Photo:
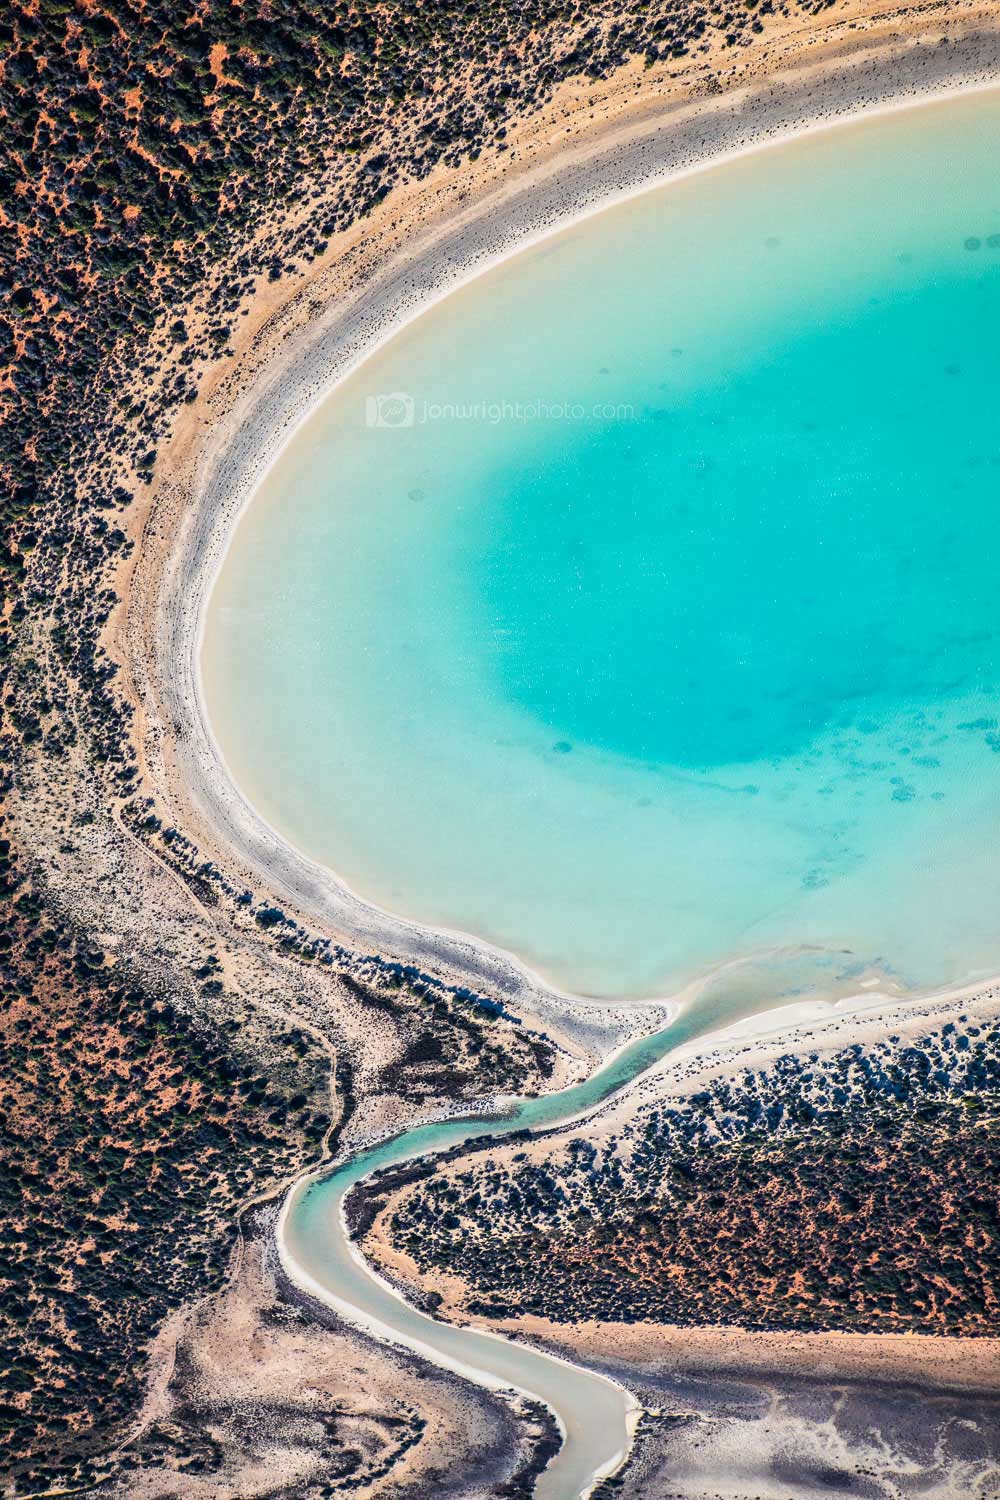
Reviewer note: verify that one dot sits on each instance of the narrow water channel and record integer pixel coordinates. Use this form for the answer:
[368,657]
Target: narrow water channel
[594,1413]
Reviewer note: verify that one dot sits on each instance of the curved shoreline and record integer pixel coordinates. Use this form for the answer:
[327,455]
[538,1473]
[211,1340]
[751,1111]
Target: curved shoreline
[313,1287]
[537,1115]
[315,1274]
[243,444]
[238,449]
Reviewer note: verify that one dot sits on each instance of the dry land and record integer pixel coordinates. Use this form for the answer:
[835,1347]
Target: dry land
[208,218]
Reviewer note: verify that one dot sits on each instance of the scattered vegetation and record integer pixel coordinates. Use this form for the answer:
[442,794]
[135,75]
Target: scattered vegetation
[854,1193]
[462,1044]
[135,1127]
[158,165]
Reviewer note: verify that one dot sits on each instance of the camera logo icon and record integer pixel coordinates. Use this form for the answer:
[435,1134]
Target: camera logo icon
[392,410]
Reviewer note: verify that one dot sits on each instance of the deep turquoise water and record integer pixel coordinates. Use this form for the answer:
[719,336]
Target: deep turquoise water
[668,630]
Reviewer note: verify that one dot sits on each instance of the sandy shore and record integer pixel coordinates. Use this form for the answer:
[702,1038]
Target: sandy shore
[941,1363]
[263,1347]
[426,240]
[594,145]
[788,1416]
[815,1028]
[676,1370]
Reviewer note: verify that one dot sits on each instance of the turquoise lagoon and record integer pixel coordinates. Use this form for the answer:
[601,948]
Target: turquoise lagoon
[657,623]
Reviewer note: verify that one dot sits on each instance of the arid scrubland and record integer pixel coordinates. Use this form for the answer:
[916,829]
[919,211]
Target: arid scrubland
[853,1191]
[177,1044]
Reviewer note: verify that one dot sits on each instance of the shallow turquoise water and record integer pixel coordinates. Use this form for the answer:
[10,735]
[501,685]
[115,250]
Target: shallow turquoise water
[668,630]
[591,1409]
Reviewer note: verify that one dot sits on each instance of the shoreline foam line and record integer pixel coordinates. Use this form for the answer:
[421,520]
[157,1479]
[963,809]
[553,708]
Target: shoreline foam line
[229,481]
[259,419]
